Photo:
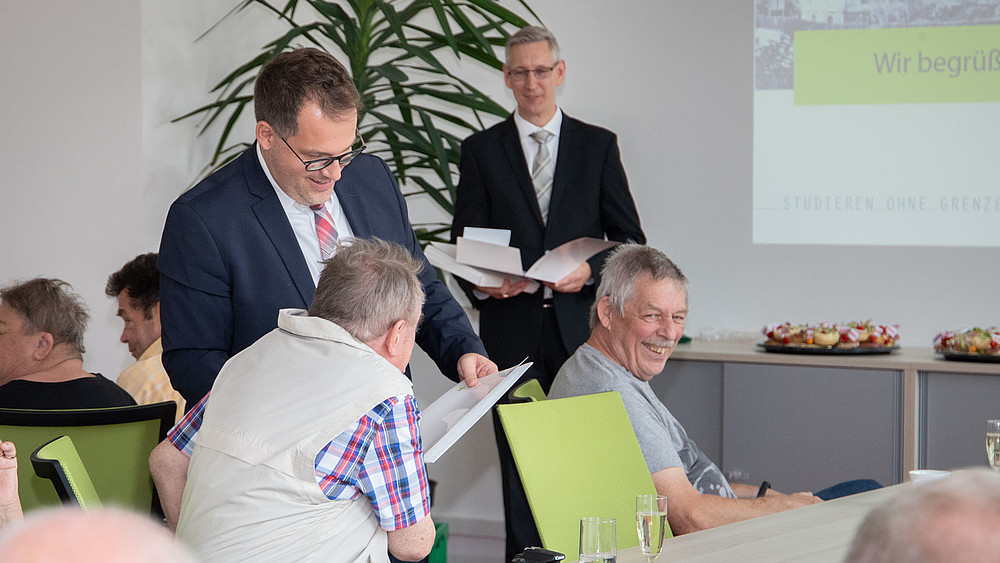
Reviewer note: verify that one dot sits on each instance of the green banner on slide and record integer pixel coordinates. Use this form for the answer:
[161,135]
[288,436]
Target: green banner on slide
[897,66]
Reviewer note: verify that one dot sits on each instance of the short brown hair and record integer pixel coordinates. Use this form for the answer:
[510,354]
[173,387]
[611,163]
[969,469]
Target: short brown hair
[292,77]
[142,281]
[49,305]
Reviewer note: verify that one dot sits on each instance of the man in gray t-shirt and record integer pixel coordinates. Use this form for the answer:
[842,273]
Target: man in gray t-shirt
[635,323]
[663,441]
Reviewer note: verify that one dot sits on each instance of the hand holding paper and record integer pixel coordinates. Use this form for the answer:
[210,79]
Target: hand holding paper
[574,281]
[555,265]
[443,255]
[510,288]
[563,260]
[472,366]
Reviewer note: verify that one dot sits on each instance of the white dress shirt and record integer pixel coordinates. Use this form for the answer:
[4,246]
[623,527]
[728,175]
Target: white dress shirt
[530,146]
[303,222]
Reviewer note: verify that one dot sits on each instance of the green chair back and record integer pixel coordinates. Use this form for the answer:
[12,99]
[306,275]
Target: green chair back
[577,457]
[526,391]
[59,462]
[113,443]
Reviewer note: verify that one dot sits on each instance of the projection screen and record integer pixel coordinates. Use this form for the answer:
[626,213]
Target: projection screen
[877,122]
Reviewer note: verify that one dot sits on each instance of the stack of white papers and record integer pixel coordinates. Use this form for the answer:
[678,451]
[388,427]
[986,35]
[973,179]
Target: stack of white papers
[484,257]
[442,255]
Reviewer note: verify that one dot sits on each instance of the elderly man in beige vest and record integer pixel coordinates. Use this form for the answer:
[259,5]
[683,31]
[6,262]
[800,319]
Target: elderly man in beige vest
[308,447]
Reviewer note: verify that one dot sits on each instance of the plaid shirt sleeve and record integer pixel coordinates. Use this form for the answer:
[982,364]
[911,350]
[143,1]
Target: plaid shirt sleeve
[380,457]
[183,434]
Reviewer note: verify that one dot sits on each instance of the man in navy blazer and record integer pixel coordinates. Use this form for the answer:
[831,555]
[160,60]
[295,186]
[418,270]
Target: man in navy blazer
[243,243]
[587,195]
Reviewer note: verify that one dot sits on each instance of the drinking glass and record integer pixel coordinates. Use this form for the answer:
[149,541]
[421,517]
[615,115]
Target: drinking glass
[923,476]
[651,524]
[598,540]
[993,443]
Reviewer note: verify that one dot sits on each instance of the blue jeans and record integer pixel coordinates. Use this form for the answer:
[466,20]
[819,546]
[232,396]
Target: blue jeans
[848,488]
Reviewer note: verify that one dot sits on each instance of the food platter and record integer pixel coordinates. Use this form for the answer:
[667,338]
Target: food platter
[809,349]
[969,356]
[974,344]
[857,338]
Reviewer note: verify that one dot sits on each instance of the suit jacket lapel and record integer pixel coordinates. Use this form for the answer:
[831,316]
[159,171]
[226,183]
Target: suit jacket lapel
[354,209]
[569,140]
[273,220]
[515,156]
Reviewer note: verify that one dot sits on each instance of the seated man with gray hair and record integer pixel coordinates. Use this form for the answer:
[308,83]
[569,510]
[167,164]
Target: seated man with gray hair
[42,323]
[635,323]
[97,535]
[308,446]
[950,519]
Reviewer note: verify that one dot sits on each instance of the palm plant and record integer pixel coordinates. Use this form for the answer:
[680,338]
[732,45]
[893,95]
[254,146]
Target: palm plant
[416,110]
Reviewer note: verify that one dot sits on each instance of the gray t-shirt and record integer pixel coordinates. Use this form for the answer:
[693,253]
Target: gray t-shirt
[663,441]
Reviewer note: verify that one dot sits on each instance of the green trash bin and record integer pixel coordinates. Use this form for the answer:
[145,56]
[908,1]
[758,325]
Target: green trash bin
[439,553]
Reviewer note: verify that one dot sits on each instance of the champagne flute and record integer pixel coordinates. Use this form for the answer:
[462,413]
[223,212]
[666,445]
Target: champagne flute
[651,524]
[993,443]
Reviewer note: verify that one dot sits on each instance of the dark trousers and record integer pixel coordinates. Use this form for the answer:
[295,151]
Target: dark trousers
[548,356]
[848,488]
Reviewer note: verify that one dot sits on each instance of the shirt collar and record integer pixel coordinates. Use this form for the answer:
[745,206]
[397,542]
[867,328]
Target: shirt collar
[525,127]
[287,203]
[301,323]
[155,349]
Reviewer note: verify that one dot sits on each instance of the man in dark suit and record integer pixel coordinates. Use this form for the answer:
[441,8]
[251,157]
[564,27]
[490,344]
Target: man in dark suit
[549,179]
[249,240]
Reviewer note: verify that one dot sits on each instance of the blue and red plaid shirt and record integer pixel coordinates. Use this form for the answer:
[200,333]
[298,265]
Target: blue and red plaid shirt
[380,457]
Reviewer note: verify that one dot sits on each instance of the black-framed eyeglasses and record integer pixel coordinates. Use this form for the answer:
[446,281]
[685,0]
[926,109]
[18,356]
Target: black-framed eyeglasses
[541,73]
[321,163]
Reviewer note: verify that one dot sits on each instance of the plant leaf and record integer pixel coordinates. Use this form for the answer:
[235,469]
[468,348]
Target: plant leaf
[391,72]
[418,111]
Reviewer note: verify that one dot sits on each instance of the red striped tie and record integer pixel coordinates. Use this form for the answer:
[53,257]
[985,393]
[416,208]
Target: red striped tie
[325,230]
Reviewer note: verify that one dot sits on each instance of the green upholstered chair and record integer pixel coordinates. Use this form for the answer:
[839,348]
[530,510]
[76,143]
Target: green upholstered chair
[113,443]
[526,391]
[577,457]
[58,461]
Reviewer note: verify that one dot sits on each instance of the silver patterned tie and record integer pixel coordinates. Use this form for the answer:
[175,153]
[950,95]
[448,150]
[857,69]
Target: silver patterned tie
[541,176]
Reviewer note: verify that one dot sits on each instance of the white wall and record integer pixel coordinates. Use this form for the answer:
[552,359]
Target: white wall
[89,162]
[71,195]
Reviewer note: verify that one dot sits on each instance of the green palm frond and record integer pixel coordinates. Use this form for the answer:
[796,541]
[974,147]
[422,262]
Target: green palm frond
[416,110]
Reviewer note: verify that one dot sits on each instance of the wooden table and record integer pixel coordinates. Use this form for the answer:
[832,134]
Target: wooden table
[816,533]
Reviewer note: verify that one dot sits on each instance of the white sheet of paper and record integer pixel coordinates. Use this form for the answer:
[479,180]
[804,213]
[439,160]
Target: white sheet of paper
[443,255]
[483,234]
[496,257]
[562,260]
[448,418]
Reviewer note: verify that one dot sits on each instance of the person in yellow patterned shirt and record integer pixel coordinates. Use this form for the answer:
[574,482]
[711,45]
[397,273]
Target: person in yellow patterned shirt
[137,288]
